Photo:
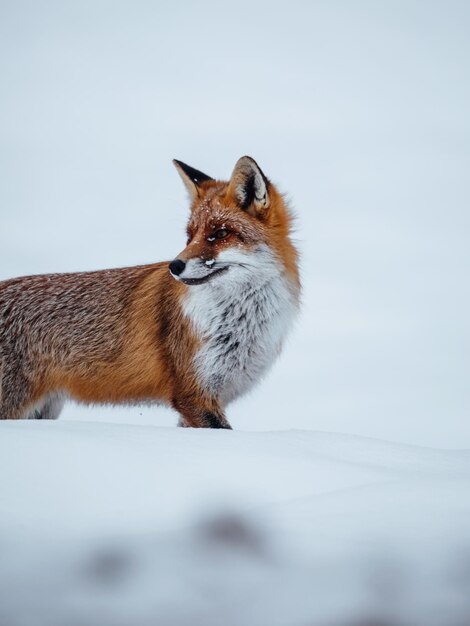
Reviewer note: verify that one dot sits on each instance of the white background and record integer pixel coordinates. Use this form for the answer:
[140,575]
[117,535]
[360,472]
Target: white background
[358,110]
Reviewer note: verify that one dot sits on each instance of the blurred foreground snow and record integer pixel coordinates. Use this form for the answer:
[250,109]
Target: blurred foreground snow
[111,524]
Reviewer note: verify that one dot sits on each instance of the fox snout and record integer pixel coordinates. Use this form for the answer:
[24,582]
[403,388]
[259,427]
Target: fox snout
[195,271]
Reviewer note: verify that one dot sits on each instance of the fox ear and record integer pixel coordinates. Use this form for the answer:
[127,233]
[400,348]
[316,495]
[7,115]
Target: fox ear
[191,178]
[250,187]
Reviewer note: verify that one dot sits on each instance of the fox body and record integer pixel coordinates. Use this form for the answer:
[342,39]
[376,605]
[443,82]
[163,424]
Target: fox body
[194,333]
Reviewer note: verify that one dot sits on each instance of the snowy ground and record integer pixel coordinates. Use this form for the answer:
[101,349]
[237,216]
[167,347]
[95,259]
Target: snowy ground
[112,524]
[359,111]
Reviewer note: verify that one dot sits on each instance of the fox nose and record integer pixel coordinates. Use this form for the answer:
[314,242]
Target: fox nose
[177,266]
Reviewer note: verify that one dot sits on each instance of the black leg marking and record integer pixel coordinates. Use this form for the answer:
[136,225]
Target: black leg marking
[214,421]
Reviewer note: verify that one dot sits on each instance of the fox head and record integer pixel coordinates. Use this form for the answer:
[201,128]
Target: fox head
[237,230]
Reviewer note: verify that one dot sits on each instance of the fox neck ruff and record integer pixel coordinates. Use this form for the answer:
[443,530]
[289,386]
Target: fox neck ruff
[241,319]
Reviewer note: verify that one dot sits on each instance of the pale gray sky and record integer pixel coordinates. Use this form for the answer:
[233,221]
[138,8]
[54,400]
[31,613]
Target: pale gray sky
[358,110]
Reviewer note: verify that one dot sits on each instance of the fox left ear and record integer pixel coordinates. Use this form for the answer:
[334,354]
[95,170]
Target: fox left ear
[250,187]
[191,177]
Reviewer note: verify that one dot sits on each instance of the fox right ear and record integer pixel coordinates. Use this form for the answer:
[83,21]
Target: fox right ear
[191,178]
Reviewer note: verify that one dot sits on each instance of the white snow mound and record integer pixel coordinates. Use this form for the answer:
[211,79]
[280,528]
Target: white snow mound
[112,524]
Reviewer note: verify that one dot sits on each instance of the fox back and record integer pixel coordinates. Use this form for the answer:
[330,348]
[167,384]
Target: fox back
[194,333]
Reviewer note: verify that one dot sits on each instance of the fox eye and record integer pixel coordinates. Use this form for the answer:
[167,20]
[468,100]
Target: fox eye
[218,234]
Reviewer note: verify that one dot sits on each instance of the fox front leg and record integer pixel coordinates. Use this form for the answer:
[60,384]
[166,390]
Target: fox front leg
[195,414]
[206,420]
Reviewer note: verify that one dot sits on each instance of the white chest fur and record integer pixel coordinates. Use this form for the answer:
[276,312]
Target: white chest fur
[242,319]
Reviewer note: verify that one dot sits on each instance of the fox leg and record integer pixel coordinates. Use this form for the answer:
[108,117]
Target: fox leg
[197,414]
[50,408]
[205,420]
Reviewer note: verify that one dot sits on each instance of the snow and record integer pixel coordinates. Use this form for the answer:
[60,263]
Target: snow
[126,524]
[114,517]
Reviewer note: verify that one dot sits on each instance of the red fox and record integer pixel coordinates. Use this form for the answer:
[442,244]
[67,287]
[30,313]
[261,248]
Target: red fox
[194,333]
